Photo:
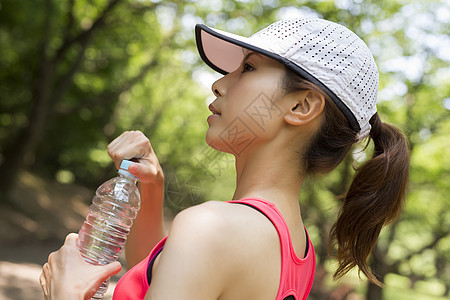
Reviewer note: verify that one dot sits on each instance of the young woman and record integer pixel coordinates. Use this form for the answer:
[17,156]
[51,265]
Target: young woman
[294,99]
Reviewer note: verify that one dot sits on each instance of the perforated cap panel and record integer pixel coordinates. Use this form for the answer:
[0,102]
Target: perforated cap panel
[323,52]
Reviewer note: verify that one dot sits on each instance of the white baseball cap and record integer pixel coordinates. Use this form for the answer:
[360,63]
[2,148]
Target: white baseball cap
[324,53]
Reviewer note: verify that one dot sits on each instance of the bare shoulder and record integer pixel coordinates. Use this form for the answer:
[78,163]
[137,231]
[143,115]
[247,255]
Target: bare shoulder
[231,220]
[221,242]
[215,222]
[204,219]
[204,224]
[235,231]
[222,229]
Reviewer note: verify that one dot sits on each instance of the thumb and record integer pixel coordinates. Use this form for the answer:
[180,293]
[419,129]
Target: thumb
[106,271]
[135,169]
[71,239]
[145,172]
[99,275]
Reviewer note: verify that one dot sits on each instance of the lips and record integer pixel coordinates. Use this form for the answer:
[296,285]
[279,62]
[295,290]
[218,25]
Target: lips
[214,110]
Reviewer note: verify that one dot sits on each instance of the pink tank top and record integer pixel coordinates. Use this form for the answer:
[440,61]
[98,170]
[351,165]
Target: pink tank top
[297,274]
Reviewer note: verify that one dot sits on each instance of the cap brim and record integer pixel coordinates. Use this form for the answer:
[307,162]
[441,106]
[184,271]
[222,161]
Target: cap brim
[220,51]
[224,52]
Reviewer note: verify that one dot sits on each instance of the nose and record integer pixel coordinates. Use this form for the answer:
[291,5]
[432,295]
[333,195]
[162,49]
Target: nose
[218,87]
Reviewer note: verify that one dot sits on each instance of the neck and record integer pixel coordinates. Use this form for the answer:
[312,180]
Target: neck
[273,177]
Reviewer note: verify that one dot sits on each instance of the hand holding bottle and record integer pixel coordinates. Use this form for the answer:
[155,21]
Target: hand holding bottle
[67,276]
[136,146]
[148,228]
[108,223]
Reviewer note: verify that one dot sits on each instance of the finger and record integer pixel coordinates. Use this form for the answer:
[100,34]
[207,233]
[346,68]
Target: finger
[114,146]
[147,172]
[118,140]
[110,270]
[100,274]
[104,272]
[47,271]
[129,145]
[45,279]
[51,258]
[43,283]
[71,239]
[142,171]
[135,169]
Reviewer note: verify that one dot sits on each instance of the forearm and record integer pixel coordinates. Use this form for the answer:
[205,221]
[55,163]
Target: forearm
[148,228]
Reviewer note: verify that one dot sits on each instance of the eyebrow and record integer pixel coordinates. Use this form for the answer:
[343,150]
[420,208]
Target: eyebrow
[250,53]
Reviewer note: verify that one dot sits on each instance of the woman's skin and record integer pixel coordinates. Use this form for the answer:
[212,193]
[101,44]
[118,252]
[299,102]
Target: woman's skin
[135,145]
[67,276]
[218,250]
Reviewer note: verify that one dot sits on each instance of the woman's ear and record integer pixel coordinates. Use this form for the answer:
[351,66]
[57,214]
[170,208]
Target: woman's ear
[305,106]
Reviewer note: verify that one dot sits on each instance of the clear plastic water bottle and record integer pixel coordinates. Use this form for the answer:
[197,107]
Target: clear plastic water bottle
[105,230]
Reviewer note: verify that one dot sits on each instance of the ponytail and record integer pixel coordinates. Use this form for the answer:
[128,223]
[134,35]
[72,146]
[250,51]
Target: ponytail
[376,195]
[374,199]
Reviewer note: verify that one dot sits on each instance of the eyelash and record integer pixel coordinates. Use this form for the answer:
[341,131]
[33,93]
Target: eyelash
[246,67]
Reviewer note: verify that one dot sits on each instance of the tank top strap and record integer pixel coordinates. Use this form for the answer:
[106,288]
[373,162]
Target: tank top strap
[274,215]
[296,273]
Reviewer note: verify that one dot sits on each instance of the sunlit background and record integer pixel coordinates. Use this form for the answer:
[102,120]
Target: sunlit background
[75,74]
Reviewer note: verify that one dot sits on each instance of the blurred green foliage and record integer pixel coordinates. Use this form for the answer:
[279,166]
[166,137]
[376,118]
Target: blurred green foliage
[75,74]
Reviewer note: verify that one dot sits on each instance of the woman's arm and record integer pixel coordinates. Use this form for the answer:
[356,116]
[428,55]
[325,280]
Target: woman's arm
[199,257]
[66,275]
[148,228]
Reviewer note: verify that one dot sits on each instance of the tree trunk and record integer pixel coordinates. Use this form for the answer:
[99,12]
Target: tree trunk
[44,97]
[379,268]
[374,292]
[15,154]
[23,144]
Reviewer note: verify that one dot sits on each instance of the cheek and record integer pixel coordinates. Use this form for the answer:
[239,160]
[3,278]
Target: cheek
[249,117]
[232,136]
[251,96]
[263,115]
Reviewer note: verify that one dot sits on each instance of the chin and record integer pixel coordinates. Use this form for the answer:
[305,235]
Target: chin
[217,144]
[213,143]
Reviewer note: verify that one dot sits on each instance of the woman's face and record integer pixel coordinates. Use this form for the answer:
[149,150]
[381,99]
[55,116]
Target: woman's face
[246,112]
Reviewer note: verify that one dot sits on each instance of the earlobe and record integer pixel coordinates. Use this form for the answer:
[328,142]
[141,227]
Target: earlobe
[308,106]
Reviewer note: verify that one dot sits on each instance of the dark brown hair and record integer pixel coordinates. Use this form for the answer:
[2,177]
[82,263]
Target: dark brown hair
[377,192]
